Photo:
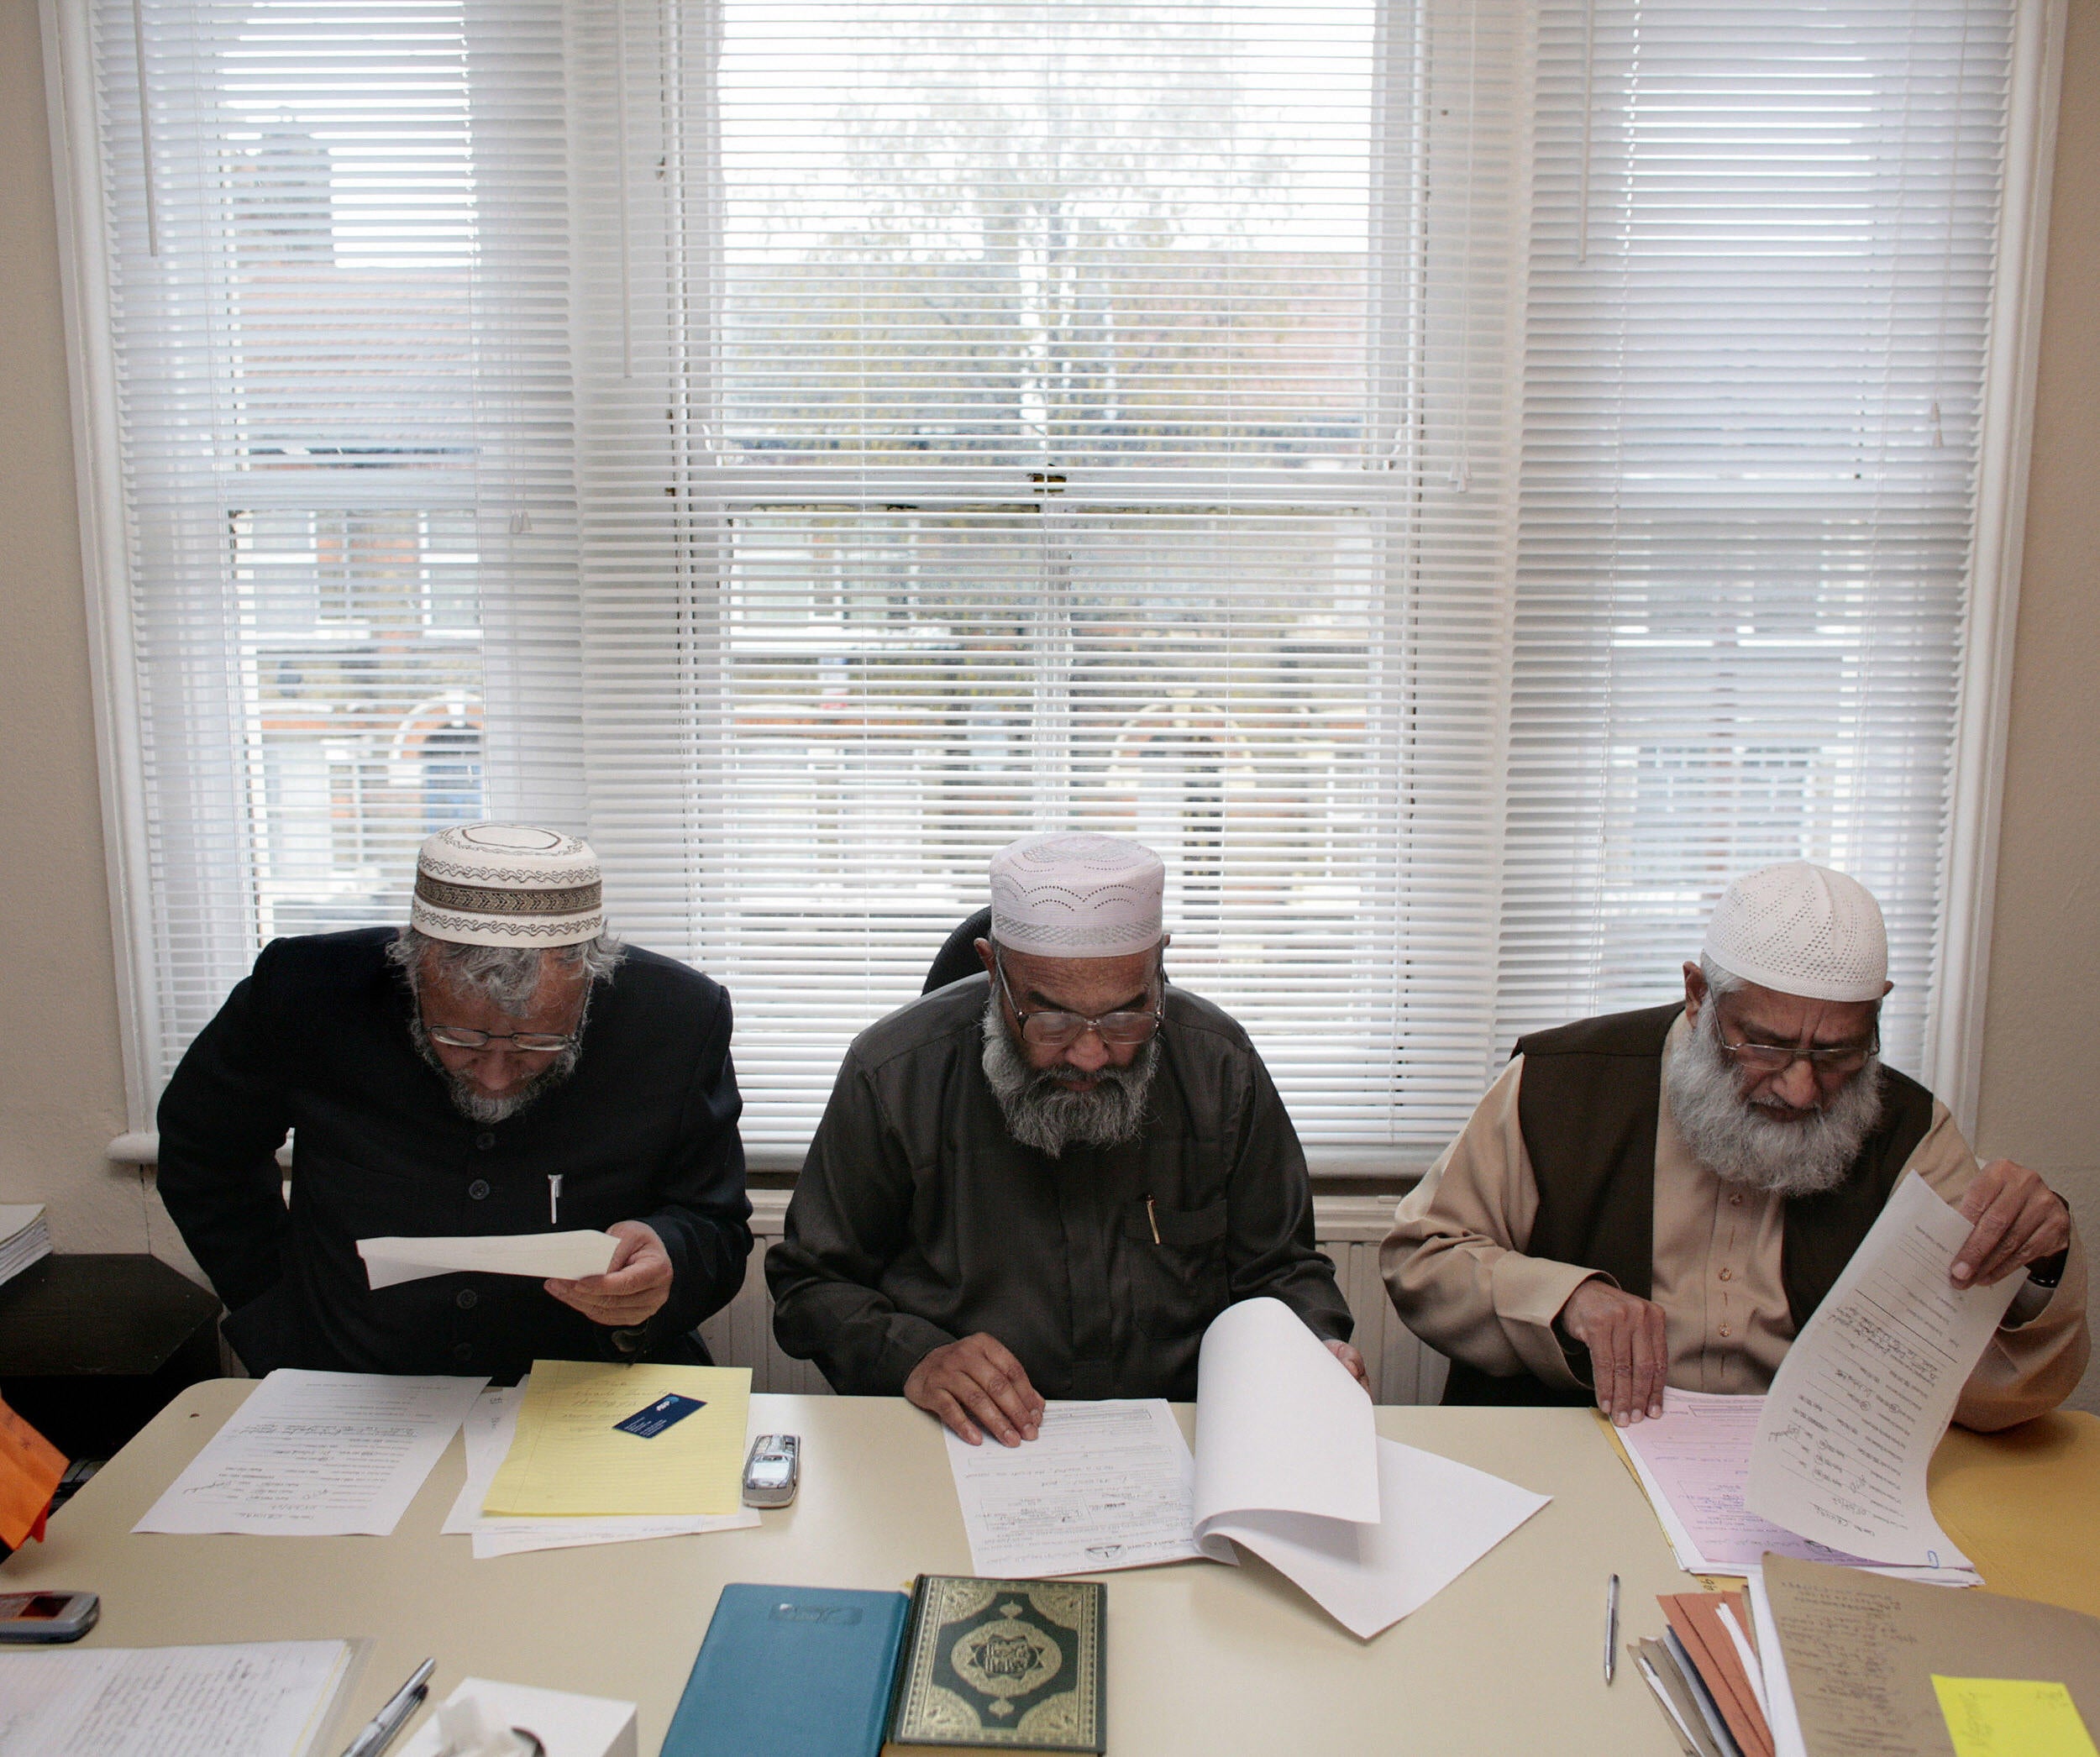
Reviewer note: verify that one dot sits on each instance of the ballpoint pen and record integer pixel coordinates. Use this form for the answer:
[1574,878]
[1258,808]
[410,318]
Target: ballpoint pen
[1611,1629]
[378,1731]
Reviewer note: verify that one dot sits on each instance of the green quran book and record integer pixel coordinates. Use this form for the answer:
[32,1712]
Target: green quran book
[1000,1665]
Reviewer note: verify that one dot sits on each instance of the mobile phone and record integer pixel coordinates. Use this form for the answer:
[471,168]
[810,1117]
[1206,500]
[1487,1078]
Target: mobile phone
[47,1616]
[773,1471]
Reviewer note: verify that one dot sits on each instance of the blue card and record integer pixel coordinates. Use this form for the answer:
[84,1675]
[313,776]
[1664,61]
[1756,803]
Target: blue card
[659,1415]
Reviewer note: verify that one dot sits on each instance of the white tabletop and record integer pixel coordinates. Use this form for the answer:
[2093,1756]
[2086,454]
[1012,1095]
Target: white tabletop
[1201,1658]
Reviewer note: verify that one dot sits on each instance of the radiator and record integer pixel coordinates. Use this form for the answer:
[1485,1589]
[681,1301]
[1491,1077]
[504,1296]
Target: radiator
[1403,1371]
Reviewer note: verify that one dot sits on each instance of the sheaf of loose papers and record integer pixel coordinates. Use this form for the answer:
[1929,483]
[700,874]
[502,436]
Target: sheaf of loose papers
[1288,1455]
[570,1460]
[490,1426]
[1104,1485]
[545,1255]
[317,1455]
[264,1699]
[1868,1388]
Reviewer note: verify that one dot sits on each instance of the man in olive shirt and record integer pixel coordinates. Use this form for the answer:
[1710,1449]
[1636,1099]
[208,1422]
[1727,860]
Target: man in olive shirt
[1048,1179]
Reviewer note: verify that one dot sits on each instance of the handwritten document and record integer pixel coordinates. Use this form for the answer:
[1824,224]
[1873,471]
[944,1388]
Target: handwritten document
[1867,1389]
[570,1459]
[317,1455]
[1104,1485]
[491,1427]
[1693,1463]
[545,1255]
[271,1699]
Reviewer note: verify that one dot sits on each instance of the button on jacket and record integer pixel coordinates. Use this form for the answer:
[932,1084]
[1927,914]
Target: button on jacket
[919,1219]
[316,1041]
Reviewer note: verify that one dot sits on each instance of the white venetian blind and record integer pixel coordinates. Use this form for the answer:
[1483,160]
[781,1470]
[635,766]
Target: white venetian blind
[1459,480]
[1761,283]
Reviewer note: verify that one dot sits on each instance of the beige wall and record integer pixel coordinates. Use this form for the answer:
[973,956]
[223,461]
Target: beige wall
[61,1076]
[61,1084]
[2041,1096]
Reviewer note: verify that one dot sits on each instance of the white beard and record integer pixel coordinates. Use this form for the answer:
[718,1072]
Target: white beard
[1043,1113]
[1740,1142]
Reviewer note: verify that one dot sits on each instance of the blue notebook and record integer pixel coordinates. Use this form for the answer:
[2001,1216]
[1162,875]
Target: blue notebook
[791,1671]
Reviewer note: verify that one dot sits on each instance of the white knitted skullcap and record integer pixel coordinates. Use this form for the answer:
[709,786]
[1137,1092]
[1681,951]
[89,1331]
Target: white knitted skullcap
[507,885]
[1798,929]
[1069,895]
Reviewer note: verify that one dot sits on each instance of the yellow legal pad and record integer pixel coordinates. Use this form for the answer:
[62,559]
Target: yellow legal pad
[570,1461]
[2011,1717]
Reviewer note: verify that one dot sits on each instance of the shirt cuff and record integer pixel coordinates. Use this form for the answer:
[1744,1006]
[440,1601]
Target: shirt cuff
[909,1341]
[1529,1292]
[2033,1297]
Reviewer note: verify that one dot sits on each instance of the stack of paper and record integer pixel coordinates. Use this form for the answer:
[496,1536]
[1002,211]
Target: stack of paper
[1830,1466]
[1288,1464]
[269,1699]
[317,1455]
[25,1237]
[1706,1675]
[491,1427]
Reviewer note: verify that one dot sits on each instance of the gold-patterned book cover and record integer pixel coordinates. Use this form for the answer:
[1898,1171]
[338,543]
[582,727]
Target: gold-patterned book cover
[1001,1665]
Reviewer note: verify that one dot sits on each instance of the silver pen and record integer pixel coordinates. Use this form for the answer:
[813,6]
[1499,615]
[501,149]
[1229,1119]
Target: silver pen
[554,1199]
[1611,1629]
[380,1730]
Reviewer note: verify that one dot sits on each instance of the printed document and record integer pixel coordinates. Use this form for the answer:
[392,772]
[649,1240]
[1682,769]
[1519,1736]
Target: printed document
[570,1459]
[490,1426]
[545,1255]
[1288,1463]
[1865,1391]
[1104,1485]
[1692,1463]
[270,1699]
[317,1455]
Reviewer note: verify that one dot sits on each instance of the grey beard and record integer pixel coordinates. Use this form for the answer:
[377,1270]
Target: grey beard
[1041,1113]
[476,1105]
[1741,1144]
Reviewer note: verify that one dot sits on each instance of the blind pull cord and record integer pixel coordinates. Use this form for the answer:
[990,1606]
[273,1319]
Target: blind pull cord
[626,254]
[145,127]
[1589,84]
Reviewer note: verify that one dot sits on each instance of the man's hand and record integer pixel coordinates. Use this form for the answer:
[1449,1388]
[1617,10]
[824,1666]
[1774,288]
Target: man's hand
[1354,1361]
[632,1289]
[2017,1220]
[1628,1348]
[978,1382]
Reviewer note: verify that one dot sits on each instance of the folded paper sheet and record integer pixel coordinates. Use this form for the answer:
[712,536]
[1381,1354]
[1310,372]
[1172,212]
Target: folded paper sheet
[570,1459]
[566,1725]
[1289,1464]
[545,1255]
[1867,1389]
[490,1426]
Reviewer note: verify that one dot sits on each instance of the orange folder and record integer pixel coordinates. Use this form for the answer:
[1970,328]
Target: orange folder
[30,1467]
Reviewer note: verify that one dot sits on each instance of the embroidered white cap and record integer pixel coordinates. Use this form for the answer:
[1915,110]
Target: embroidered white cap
[507,885]
[1068,895]
[1798,929]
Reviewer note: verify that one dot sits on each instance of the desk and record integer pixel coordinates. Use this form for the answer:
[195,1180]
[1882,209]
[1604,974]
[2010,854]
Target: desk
[1202,1659]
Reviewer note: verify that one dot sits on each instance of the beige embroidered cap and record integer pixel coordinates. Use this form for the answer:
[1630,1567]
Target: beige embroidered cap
[507,885]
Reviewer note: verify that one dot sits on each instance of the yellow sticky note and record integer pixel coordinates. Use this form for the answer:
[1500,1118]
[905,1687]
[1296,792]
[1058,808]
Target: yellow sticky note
[571,1459]
[2012,1717]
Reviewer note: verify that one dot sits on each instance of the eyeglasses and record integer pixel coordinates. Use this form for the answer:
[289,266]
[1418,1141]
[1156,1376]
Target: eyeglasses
[1048,1028]
[1778,1057]
[464,1037]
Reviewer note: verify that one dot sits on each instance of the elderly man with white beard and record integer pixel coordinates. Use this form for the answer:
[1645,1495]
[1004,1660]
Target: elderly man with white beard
[1048,1179]
[1664,1196]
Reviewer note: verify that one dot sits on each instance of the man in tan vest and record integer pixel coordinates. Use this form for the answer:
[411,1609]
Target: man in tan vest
[1666,1196]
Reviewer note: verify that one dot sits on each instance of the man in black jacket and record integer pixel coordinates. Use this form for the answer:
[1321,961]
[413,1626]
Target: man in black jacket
[498,1067]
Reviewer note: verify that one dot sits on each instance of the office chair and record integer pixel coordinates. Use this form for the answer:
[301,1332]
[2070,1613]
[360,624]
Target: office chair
[957,958]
